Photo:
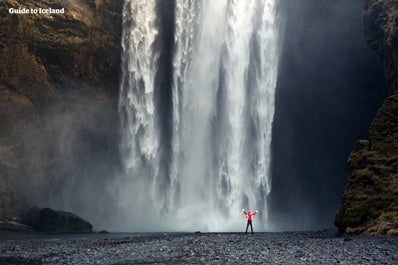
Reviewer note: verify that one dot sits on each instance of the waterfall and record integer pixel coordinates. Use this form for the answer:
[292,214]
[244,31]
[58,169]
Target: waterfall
[196,112]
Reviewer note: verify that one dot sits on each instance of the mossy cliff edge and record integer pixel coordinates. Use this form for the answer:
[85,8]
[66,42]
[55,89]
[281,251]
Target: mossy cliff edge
[370,199]
[59,77]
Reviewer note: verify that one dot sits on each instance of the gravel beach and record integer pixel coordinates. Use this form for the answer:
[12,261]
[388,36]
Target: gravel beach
[200,248]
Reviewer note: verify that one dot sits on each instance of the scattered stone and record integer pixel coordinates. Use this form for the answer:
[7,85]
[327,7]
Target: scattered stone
[210,248]
[19,261]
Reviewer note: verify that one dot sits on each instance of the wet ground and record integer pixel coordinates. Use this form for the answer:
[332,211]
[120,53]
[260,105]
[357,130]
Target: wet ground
[200,248]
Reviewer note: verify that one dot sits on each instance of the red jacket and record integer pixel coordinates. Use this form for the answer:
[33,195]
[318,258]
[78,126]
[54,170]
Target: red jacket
[249,216]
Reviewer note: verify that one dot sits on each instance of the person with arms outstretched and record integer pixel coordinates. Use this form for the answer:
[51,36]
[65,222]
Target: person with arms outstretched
[249,217]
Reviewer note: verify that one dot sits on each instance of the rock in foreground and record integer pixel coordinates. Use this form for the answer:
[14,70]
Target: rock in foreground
[17,217]
[56,222]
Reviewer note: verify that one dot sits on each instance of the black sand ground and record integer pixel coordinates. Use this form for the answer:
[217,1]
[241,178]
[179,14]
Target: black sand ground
[184,248]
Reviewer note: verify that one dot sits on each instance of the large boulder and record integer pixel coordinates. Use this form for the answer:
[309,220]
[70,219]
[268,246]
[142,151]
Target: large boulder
[17,216]
[49,221]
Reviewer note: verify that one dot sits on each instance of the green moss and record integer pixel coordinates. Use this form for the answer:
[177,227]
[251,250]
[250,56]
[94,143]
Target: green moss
[370,200]
[384,129]
[389,216]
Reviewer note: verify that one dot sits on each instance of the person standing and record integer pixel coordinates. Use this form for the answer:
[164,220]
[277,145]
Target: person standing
[249,217]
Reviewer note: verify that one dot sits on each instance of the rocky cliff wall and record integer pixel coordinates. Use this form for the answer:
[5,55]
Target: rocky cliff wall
[59,77]
[370,199]
[381,30]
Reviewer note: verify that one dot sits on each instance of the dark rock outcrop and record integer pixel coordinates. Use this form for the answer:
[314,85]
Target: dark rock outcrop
[50,221]
[17,216]
[370,199]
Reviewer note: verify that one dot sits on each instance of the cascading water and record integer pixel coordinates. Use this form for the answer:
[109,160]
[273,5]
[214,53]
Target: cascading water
[196,147]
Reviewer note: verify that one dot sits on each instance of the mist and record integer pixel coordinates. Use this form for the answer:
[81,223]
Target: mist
[70,155]
[329,88]
[80,156]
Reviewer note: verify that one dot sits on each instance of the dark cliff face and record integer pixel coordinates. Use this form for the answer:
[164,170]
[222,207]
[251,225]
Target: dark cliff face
[381,29]
[370,199]
[329,88]
[59,79]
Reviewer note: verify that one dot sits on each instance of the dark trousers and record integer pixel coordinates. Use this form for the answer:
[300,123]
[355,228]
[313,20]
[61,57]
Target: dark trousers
[251,226]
